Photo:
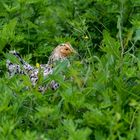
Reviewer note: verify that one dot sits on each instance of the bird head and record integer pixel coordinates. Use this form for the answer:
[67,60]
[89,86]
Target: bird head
[62,51]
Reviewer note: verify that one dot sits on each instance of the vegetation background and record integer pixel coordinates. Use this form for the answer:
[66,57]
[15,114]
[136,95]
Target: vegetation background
[102,102]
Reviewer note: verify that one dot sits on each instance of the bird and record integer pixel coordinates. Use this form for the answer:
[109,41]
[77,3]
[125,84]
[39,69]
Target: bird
[60,53]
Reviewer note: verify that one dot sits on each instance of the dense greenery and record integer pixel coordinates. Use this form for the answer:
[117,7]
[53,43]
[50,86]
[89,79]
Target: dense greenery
[102,100]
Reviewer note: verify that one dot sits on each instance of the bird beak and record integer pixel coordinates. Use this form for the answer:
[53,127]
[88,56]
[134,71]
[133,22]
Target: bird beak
[71,48]
[73,51]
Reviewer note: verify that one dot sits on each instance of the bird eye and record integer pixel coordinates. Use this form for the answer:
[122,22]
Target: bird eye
[66,49]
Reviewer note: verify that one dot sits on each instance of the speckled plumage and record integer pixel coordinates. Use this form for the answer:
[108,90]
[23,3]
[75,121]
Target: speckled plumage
[61,52]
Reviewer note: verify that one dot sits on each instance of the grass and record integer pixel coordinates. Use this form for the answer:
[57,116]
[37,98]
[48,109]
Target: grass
[101,101]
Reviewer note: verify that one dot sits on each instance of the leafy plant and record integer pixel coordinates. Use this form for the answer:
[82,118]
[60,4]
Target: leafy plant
[100,96]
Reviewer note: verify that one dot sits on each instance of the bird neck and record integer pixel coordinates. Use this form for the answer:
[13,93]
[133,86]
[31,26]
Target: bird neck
[55,57]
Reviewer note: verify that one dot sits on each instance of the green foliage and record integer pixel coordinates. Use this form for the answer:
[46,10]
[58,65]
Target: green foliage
[100,97]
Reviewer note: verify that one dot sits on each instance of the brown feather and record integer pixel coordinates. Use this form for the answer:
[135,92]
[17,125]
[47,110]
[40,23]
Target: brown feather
[61,52]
